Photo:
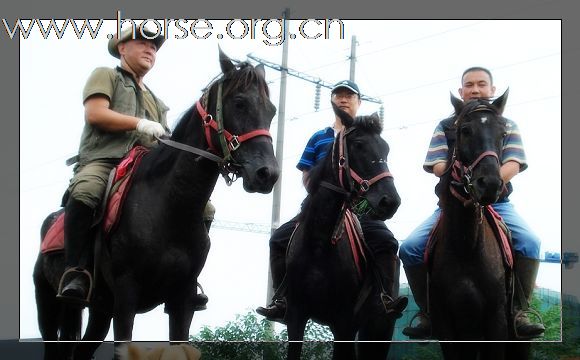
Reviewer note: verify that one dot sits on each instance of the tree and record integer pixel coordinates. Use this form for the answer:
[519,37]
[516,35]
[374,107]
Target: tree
[247,338]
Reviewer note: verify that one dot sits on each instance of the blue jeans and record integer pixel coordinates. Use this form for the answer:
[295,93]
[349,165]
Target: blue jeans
[524,240]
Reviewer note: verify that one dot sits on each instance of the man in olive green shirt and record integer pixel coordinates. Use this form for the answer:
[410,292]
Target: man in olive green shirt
[120,112]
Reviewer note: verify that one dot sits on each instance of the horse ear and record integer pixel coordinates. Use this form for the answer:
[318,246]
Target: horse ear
[225,62]
[346,119]
[500,102]
[261,71]
[378,121]
[457,103]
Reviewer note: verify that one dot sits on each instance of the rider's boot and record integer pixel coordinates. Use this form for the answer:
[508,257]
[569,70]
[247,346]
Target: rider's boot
[526,270]
[387,267]
[276,310]
[417,277]
[76,281]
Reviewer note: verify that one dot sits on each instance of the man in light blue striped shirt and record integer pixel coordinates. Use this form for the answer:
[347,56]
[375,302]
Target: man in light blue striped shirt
[477,82]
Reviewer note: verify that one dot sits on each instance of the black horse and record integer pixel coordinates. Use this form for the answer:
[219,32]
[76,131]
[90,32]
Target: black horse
[160,244]
[323,282]
[469,277]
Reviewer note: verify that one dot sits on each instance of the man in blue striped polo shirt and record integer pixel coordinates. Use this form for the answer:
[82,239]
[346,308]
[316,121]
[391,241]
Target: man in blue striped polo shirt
[477,82]
[381,242]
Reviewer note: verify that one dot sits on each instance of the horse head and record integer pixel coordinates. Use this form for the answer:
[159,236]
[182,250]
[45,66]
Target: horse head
[364,157]
[478,149]
[240,101]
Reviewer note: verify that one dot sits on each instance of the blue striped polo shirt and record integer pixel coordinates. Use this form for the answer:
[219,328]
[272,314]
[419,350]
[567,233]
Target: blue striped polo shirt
[316,148]
[513,149]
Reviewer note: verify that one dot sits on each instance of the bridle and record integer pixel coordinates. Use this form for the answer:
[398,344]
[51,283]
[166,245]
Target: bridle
[348,178]
[229,143]
[462,176]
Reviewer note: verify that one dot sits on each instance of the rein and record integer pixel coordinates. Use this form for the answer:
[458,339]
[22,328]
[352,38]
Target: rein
[228,166]
[344,170]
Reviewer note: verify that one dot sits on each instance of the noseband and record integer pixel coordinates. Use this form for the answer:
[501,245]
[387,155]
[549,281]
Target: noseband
[463,176]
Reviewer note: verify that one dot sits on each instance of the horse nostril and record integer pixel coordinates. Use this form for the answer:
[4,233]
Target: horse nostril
[263,173]
[387,203]
[488,181]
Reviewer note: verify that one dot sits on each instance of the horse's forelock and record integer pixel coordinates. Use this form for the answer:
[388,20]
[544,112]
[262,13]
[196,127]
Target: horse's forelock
[472,105]
[242,78]
[372,123]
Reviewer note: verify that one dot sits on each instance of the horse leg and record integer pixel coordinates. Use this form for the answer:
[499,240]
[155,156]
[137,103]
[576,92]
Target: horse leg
[375,333]
[517,350]
[180,307]
[344,333]
[296,325]
[461,351]
[124,311]
[493,350]
[47,308]
[97,329]
[179,322]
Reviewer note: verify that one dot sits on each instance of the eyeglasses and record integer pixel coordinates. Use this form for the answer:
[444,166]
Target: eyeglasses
[345,95]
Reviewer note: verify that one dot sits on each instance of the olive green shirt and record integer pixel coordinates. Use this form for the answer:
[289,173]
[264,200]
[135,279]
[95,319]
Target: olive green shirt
[125,97]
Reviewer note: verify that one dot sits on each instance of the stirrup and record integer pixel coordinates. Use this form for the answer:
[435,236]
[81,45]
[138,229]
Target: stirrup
[200,296]
[413,329]
[521,313]
[394,306]
[79,271]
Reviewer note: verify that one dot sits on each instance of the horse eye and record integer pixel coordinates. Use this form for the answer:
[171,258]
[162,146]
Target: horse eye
[240,103]
[357,145]
[465,130]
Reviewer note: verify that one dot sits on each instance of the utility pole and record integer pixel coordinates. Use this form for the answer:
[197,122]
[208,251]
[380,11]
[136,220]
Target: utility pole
[352,57]
[279,142]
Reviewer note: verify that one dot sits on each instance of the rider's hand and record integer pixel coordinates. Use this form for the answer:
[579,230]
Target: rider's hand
[149,127]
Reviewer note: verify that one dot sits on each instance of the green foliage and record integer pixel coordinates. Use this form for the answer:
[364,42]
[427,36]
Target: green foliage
[569,347]
[247,338]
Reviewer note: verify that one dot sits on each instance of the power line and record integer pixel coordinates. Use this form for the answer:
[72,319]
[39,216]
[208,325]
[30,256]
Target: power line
[315,80]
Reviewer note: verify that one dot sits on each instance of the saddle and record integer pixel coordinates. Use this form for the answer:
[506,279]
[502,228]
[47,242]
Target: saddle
[120,181]
[499,228]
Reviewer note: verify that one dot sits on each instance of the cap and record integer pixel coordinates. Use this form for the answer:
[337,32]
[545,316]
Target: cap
[127,35]
[348,85]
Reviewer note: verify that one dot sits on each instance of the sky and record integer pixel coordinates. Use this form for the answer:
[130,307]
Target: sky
[411,65]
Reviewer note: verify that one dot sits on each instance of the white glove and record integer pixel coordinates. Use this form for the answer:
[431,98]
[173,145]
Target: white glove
[149,127]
